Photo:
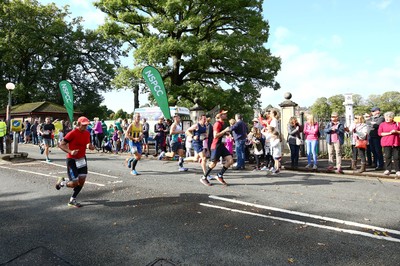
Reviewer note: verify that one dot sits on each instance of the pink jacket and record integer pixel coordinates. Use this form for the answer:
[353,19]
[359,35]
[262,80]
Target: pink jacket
[389,140]
[311,131]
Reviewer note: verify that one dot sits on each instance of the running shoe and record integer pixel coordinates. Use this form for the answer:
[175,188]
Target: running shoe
[161,156]
[48,160]
[182,169]
[221,180]
[74,203]
[308,166]
[205,182]
[315,167]
[209,178]
[58,184]
[134,172]
[265,168]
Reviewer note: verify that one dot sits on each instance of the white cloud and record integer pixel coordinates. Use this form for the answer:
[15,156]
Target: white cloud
[315,74]
[383,4]
[281,33]
[333,42]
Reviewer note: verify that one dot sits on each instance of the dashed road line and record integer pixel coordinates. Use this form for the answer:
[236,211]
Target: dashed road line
[47,175]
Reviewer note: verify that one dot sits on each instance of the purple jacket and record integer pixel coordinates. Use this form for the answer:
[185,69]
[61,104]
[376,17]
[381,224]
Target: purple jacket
[389,140]
[98,129]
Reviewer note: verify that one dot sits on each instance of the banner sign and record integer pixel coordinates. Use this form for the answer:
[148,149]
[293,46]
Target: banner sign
[156,85]
[68,97]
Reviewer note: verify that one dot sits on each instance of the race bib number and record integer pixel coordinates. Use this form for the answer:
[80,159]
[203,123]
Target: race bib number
[80,163]
[202,137]
[46,132]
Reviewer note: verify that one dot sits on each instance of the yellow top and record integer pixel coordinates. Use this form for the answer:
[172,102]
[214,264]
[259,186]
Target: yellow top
[3,128]
[58,126]
[136,131]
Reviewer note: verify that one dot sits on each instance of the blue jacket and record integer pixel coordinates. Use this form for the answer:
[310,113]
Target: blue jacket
[240,130]
[340,131]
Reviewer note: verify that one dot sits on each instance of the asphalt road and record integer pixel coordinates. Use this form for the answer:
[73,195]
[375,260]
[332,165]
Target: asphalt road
[164,217]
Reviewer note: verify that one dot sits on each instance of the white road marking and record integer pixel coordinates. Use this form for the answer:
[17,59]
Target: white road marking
[90,172]
[41,174]
[366,226]
[354,232]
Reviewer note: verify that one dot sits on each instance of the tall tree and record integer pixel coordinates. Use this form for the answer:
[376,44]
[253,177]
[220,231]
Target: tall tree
[321,109]
[210,50]
[39,48]
[388,101]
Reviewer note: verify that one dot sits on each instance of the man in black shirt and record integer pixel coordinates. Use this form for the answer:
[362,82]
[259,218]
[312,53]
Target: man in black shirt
[47,131]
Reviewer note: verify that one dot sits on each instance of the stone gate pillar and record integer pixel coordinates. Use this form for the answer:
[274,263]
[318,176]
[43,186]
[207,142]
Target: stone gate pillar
[288,109]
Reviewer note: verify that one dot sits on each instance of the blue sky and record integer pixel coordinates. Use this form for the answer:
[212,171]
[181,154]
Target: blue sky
[328,47]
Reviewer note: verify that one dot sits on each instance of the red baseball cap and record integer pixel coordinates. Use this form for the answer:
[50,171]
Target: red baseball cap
[83,121]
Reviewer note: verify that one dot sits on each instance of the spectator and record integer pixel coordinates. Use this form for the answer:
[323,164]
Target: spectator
[239,130]
[294,140]
[34,130]
[334,131]
[311,132]
[160,131]
[269,159]
[146,133]
[375,139]
[389,131]
[255,139]
[359,132]
[98,133]
[210,136]
[368,152]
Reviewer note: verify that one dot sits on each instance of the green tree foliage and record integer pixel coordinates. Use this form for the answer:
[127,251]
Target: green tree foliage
[39,48]
[321,109]
[120,114]
[198,45]
[336,104]
[388,101]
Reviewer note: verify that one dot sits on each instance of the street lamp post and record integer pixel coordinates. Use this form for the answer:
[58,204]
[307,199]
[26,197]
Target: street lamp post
[10,87]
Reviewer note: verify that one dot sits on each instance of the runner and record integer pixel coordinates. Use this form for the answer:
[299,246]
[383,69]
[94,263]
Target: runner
[218,149]
[198,132]
[134,134]
[176,143]
[75,144]
[46,131]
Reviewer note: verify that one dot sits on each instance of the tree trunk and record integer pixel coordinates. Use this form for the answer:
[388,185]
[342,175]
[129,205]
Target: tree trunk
[136,96]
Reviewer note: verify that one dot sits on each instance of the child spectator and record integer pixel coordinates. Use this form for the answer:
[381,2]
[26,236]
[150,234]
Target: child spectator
[255,139]
[276,151]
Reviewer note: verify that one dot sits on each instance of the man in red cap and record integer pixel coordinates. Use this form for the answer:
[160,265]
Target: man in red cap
[75,144]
